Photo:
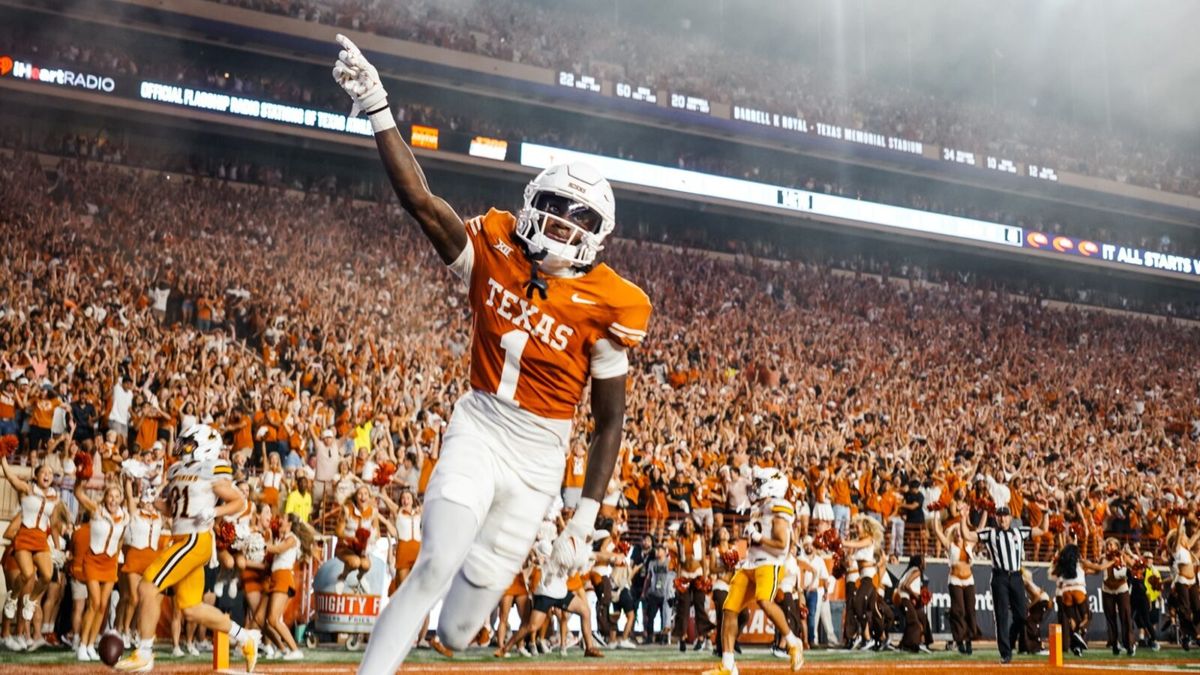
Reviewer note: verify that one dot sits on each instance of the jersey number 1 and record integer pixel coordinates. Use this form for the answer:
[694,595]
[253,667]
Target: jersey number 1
[513,343]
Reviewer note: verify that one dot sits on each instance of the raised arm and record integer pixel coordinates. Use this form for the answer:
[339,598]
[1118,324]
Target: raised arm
[17,484]
[437,219]
[941,534]
[970,534]
[85,501]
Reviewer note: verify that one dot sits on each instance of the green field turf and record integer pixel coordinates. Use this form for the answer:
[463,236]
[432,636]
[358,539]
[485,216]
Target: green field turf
[1097,655]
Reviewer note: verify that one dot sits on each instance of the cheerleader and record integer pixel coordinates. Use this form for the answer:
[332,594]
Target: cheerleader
[1068,569]
[788,598]
[51,601]
[251,547]
[108,520]
[517,594]
[295,542]
[851,631]
[356,529]
[601,577]
[723,561]
[408,542]
[142,538]
[81,539]
[961,554]
[41,509]
[408,534]
[690,594]
[1185,593]
[1118,611]
[865,551]
[622,588]
[884,616]
[1140,573]
[1038,600]
[553,591]
[909,592]
[271,482]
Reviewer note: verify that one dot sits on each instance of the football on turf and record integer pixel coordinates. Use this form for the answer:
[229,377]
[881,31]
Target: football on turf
[110,649]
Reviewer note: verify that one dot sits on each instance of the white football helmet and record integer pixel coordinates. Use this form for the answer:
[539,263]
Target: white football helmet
[569,211]
[769,483]
[200,441]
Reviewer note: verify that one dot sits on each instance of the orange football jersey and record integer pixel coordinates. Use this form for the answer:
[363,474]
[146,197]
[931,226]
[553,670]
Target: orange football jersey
[536,353]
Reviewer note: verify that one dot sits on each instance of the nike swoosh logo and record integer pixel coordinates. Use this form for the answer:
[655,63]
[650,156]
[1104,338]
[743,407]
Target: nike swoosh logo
[583,301]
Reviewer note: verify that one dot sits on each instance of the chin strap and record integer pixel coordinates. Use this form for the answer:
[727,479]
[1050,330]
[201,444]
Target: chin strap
[536,282]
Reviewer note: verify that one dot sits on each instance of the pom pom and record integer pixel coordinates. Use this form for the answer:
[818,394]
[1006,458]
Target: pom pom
[839,565]
[83,465]
[682,585]
[926,596]
[361,538]
[704,584]
[383,474]
[730,557]
[8,445]
[226,535]
[252,545]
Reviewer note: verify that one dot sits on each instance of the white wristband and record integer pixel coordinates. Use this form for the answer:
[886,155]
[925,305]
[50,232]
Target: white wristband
[585,514]
[382,120]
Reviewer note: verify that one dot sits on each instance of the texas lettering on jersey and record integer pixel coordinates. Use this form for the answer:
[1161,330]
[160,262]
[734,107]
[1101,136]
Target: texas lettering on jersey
[536,353]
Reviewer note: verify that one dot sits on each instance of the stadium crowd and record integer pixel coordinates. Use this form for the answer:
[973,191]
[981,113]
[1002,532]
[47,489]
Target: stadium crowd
[555,37]
[318,334]
[286,82]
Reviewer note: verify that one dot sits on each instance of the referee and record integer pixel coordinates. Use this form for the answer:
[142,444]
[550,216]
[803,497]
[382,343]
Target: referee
[1006,545]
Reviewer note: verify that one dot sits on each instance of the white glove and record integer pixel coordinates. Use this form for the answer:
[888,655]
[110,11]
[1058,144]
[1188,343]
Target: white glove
[573,547]
[205,517]
[359,78]
[751,532]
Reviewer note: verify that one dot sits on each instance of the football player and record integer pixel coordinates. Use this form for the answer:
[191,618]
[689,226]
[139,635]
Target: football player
[770,535]
[547,318]
[199,491]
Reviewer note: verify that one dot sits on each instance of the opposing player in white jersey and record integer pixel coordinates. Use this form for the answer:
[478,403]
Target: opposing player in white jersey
[199,490]
[758,577]
[547,318]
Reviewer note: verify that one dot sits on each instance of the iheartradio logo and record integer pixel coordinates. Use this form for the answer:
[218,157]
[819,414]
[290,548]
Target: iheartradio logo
[6,65]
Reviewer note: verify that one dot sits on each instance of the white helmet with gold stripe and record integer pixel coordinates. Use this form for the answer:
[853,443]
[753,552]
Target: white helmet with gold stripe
[769,483]
[200,441]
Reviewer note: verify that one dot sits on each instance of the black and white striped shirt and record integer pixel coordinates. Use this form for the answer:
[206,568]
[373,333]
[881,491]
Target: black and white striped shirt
[1006,547]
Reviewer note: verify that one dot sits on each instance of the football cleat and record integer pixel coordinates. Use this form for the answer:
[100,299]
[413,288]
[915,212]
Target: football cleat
[250,649]
[440,648]
[796,657]
[135,663]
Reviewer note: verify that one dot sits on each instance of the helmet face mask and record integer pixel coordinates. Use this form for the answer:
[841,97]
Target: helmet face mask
[769,484]
[201,442]
[567,215]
